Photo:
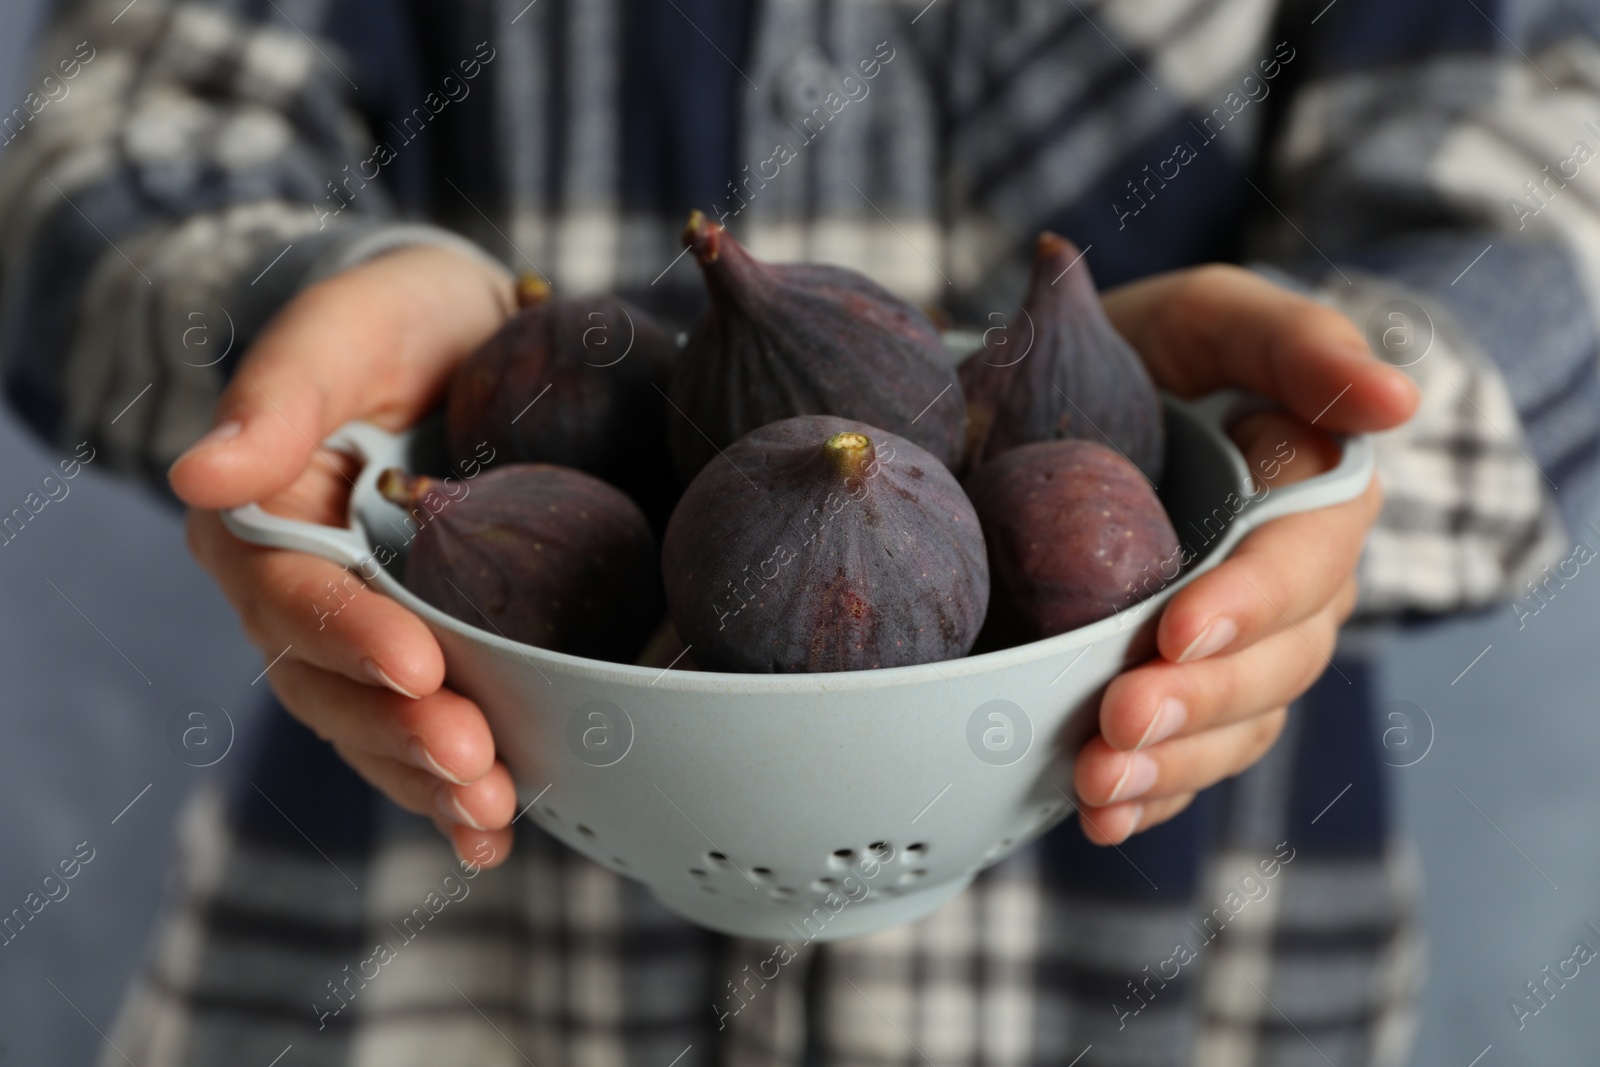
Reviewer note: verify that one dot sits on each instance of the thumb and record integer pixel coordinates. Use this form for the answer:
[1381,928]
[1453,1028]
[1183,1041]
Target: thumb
[268,421]
[374,342]
[1209,327]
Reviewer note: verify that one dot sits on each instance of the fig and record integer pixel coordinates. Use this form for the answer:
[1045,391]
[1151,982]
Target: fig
[1075,533]
[544,555]
[574,381]
[824,544]
[1059,369]
[780,340]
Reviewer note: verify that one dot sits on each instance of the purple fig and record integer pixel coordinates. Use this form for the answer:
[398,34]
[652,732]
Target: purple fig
[575,381]
[804,339]
[544,555]
[1059,369]
[1074,533]
[824,544]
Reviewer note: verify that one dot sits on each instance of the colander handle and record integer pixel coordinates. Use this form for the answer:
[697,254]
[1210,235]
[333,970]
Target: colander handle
[344,545]
[1347,479]
[251,523]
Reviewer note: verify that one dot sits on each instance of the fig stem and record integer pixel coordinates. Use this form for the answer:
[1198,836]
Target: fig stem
[1052,244]
[531,289]
[402,489]
[849,453]
[703,236]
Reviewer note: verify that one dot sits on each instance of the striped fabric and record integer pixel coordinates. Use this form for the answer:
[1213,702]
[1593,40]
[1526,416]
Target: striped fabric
[1419,164]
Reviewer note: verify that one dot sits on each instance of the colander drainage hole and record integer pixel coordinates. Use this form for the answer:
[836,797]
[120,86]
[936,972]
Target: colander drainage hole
[708,889]
[783,891]
[911,876]
[917,846]
[716,857]
[585,831]
[696,872]
[761,872]
[822,885]
[878,846]
[550,813]
[619,861]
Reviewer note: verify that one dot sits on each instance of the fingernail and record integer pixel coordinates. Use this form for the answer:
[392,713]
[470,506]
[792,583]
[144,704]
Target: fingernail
[1138,775]
[424,759]
[226,431]
[1213,639]
[445,800]
[1170,716]
[377,674]
[1135,813]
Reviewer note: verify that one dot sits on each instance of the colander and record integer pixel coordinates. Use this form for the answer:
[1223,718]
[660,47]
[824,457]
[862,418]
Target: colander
[809,806]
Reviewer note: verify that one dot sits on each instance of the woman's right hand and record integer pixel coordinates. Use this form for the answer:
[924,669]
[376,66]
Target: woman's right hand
[376,342]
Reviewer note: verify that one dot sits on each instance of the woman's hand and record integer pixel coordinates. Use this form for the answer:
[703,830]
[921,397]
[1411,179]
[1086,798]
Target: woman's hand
[1242,641]
[376,342]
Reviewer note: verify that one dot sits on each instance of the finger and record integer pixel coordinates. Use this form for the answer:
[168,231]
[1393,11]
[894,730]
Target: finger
[1149,704]
[1104,776]
[1279,575]
[1209,327]
[1114,825]
[321,612]
[444,734]
[1344,602]
[1281,449]
[482,848]
[485,805]
[371,342]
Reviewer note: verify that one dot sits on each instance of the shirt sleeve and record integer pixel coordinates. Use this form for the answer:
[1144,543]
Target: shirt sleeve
[1436,196]
[176,174]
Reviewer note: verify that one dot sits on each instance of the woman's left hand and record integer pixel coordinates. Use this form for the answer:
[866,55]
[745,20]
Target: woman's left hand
[1242,641]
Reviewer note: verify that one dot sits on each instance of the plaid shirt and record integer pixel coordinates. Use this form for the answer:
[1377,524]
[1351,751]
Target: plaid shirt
[190,166]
